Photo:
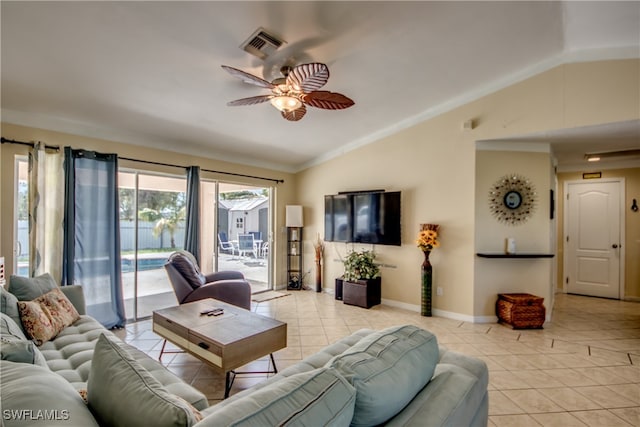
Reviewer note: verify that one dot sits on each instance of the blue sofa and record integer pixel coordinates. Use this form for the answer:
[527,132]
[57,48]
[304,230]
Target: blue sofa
[398,376]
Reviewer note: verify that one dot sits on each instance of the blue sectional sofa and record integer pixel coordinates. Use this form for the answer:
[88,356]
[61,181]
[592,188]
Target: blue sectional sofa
[398,376]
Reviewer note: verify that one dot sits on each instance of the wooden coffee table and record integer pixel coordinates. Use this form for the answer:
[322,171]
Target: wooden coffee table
[225,342]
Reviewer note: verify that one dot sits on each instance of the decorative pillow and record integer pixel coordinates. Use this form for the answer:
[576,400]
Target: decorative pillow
[9,327]
[185,263]
[387,368]
[122,393]
[15,347]
[17,351]
[9,306]
[321,397]
[30,288]
[46,316]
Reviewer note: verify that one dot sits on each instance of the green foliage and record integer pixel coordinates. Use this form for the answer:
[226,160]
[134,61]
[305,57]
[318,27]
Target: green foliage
[23,201]
[170,223]
[234,195]
[147,214]
[360,265]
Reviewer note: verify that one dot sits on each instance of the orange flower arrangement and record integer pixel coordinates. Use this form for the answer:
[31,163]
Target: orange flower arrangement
[428,237]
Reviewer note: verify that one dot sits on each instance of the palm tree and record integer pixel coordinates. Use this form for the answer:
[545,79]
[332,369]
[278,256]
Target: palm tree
[170,223]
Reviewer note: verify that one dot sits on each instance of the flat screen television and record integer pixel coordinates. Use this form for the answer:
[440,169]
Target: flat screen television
[363,217]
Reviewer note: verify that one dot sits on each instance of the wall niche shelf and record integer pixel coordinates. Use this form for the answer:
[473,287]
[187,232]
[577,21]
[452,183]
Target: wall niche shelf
[521,255]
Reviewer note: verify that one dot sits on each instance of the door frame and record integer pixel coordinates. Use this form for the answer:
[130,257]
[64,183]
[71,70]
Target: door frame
[623,245]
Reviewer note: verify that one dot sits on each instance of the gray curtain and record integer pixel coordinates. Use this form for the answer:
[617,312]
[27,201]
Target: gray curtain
[192,225]
[92,233]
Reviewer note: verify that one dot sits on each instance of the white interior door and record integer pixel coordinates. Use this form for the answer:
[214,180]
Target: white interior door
[593,238]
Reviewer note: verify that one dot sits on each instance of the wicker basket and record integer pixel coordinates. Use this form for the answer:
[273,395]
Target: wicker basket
[521,311]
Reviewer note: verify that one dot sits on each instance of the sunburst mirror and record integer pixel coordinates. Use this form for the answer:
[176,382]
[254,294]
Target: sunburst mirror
[512,199]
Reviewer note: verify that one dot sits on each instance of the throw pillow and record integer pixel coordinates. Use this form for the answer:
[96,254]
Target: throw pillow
[9,327]
[387,368]
[46,316]
[321,397]
[122,393]
[17,351]
[29,288]
[14,345]
[9,306]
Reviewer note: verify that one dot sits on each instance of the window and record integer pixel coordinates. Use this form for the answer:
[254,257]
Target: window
[21,209]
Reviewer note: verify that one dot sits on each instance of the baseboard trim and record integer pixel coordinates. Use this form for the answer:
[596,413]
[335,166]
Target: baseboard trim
[631,299]
[441,313]
[403,305]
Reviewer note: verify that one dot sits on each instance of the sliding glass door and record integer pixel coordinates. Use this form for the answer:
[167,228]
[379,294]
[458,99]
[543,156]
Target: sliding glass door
[235,234]
[244,236]
[152,216]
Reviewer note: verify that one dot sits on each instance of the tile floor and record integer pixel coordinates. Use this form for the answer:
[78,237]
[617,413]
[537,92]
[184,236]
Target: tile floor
[582,369]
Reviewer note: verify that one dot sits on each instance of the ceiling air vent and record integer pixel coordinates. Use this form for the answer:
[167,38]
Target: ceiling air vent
[261,43]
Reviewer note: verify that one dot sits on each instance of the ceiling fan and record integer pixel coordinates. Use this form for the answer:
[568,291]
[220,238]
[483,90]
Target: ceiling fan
[298,87]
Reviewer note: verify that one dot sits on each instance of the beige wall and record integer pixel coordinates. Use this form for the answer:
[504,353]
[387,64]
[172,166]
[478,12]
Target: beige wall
[632,223]
[433,164]
[494,276]
[284,191]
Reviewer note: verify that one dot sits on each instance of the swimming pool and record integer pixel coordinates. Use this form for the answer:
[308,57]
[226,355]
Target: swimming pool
[127,264]
[144,264]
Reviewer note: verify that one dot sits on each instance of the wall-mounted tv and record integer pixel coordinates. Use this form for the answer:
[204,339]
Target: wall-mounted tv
[363,217]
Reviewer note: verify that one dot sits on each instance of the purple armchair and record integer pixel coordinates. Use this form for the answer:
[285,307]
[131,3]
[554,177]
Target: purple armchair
[189,284]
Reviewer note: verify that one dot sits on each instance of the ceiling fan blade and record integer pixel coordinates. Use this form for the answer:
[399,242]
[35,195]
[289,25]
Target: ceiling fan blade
[248,78]
[327,100]
[295,115]
[308,77]
[250,101]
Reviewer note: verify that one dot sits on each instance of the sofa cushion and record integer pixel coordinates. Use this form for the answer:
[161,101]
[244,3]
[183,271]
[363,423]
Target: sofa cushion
[168,379]
[387,368]
[17,351]
[46,316]
[69,354]
[321,397]
[29,288]
[15,346]
[75,293]
[122,393]
[9,327]
[41,397]
[454,397]
[9,306]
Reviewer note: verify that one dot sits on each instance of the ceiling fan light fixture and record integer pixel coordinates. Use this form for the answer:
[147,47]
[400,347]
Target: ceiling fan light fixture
[286,103]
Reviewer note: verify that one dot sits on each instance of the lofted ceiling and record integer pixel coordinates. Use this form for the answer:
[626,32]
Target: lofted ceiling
[148,73]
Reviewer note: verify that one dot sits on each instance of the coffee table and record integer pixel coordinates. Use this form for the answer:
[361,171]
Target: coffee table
[224,342]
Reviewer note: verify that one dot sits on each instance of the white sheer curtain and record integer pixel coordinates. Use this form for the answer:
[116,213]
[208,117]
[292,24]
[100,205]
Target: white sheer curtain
[46,211]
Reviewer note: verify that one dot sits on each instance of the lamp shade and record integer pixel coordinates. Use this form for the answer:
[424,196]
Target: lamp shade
[294,216]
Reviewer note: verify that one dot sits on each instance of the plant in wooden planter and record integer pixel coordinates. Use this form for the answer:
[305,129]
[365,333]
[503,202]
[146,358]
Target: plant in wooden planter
[361,284]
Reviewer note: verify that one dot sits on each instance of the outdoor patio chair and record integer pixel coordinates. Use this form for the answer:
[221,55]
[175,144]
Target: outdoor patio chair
[246,244]
[224,243]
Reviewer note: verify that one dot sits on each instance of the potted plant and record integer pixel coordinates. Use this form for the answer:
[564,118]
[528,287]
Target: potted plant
[361,280]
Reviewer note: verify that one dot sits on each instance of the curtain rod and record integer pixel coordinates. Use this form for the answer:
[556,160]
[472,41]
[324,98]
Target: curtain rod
[30,144]
[204,170]
[53,147]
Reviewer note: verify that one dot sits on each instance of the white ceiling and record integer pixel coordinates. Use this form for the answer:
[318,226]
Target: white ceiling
[149,73]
